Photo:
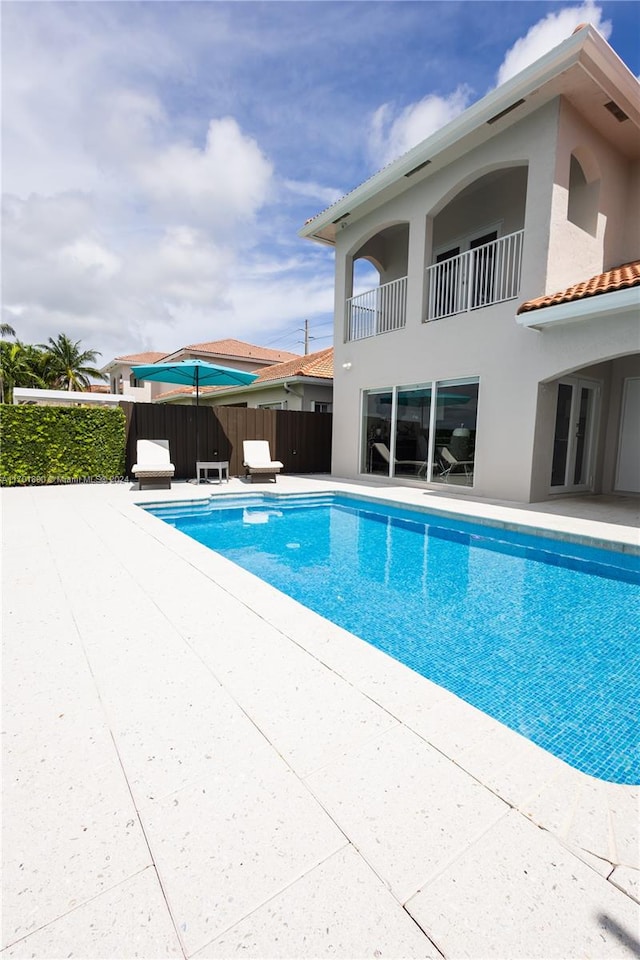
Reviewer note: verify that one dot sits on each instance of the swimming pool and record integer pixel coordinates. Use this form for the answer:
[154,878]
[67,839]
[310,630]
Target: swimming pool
[541,634]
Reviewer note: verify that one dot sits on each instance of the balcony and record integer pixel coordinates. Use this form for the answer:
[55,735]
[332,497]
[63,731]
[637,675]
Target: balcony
[377,311]
[476,278]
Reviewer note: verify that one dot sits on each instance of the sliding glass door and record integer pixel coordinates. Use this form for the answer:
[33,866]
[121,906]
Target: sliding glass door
[424,431]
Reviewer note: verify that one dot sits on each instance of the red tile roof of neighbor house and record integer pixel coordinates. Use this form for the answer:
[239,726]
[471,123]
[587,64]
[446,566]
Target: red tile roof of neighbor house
[628,275]
[238,348]
[180,391]
[151,356]
[318,365]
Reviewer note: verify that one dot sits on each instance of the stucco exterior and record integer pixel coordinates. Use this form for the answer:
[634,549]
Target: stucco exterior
[511,180]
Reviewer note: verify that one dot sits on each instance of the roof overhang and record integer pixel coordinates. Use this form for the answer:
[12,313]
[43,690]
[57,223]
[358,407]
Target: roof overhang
[583,68]
[616,302]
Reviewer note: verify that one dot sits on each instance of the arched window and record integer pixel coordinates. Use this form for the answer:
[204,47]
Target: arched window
[584,194]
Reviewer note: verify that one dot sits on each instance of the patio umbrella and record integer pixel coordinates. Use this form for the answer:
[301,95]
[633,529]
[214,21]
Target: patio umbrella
[194,373]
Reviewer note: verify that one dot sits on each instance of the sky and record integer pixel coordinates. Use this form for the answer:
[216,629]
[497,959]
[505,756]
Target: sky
[159,158]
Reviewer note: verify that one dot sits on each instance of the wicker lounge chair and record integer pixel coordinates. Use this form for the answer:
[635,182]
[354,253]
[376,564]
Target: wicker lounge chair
[153,467]
[257,460]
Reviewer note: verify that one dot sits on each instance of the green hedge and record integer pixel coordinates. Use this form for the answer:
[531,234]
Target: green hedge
[60,444]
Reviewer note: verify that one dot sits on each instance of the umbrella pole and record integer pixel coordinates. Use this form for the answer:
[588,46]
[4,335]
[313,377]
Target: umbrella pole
[197,417]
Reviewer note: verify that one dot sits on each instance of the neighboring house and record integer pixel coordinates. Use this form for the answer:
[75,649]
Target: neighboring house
[232,353]
[122,380]
[227,353]
[305,383]
[465,365]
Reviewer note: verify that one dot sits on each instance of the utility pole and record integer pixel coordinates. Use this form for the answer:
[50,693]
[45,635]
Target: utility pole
[306,337]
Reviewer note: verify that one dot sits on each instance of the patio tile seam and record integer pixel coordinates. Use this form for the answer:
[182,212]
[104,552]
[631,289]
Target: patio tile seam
[77,906]
[561,836]
[305,873]
[273,896]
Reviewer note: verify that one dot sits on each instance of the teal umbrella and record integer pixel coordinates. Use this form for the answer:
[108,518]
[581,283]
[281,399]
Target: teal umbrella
[194,373]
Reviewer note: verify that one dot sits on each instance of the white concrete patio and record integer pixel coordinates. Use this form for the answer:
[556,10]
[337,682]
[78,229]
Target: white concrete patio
[197,766]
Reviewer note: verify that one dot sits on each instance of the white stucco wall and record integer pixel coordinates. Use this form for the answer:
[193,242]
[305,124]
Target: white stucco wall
[510,361]
[574,254]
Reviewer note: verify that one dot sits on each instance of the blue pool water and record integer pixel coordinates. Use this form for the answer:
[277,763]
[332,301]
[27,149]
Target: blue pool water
[540,634]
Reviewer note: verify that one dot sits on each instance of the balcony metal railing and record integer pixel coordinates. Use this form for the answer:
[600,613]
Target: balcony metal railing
[377,311]
[476,278]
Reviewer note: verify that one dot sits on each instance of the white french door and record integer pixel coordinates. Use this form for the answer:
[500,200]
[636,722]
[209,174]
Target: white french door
[575,435]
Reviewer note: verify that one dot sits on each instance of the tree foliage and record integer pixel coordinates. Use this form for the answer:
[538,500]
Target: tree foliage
[70,367]
[60,364]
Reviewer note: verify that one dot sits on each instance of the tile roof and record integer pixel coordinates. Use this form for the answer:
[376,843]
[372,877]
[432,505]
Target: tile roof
[628,275]
[151,356]
[238,348]
[319,364]
[179,391]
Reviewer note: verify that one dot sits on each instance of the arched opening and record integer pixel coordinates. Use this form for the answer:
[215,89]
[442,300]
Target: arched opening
[584,194]
[379,284]
[366,275]
[477,244]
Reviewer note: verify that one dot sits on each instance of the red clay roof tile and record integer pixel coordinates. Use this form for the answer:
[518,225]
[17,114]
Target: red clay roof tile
[151,356]
[627,275]
[238,348]
[319,364]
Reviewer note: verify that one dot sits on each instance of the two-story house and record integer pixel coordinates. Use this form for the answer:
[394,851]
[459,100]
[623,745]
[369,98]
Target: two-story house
[227,353]
[500,350]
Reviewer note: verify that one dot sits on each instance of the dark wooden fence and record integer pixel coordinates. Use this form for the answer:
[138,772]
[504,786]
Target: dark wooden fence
[302,441]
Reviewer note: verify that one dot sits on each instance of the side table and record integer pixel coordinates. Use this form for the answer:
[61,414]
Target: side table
[204,466]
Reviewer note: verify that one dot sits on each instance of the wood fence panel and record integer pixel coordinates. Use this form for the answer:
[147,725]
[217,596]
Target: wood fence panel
[301,440]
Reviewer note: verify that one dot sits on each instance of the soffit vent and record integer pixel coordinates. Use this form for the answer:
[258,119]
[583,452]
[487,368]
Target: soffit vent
[503,113]
[613,108]
[343,217]
[420,166]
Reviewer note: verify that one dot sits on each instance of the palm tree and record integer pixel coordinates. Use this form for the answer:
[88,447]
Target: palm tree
[20,366]
[6,330]
[71,367]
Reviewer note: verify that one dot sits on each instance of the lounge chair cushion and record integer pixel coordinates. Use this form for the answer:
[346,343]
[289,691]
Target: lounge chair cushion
[153,459]
[257,459]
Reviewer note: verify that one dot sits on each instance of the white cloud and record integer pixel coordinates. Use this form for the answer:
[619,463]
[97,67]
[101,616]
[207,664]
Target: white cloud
[547,34]
[224,183]
[392,134]
[182,266]
[120,224]
[313,190]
